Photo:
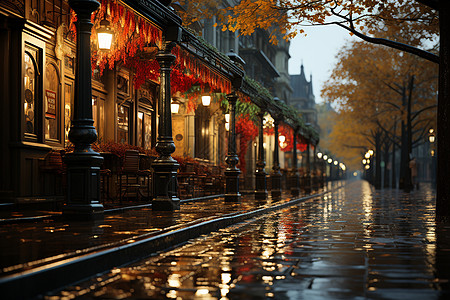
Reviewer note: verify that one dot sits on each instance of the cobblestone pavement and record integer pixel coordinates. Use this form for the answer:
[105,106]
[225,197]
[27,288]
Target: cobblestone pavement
[353,243]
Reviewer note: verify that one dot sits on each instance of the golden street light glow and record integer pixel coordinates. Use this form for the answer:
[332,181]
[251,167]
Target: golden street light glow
[319,155]
[206,100]
[105,35]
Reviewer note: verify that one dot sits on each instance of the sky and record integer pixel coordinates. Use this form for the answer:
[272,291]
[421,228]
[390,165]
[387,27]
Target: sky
[318,52]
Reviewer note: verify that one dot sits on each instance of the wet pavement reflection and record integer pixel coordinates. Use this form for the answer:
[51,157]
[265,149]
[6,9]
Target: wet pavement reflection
[31,244]
[352,243]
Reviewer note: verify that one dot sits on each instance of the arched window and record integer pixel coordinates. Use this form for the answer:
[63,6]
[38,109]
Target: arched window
[52,103]
[30,88]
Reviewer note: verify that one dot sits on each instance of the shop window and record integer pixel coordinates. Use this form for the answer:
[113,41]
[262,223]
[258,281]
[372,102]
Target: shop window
[98,115]
[202,133]
[31,91]
[123,124]
[144,123]
[68,104]
[51,103]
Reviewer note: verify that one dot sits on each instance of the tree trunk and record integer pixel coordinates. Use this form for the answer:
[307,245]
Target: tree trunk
[409,185]
[403,180]
[394,167]
[378,155]
[443,124]
[386,163]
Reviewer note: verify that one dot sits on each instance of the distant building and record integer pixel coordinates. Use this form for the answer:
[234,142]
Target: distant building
[303,98]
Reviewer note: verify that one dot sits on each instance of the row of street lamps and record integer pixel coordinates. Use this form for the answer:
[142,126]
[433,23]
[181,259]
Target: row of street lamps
[338,165]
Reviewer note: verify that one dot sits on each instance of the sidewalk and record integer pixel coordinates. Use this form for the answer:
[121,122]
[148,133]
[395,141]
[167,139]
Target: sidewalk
[352,243]
[31,248]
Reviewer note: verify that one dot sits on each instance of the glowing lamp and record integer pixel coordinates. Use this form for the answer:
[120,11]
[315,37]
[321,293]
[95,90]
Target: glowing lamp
[227,118]
[174,107]
[206,100]
[105,35]
[319,155]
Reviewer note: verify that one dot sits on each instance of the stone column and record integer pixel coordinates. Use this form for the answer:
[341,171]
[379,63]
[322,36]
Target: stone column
[295,184]
[276,174]
[260,173]
[232,172]
[83,164]
[165,167]
[308,169]
[315,179]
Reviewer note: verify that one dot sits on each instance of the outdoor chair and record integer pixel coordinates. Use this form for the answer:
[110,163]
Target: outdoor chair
[131,176]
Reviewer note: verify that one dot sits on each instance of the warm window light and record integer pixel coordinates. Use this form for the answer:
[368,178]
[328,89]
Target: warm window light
[140,115]
[206,100]
[174,107]
[105,35]
[319,155]
[282,138]
[227,118]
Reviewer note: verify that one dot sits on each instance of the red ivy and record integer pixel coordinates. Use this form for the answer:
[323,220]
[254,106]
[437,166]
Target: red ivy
[247,131]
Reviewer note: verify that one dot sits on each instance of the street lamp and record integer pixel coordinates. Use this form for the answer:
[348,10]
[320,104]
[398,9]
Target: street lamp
[175,106]
[206,100]
[325,157]
[319,155]
[105,35]
[431,136]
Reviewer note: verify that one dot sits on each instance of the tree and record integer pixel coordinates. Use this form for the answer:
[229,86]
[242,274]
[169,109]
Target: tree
[380,88]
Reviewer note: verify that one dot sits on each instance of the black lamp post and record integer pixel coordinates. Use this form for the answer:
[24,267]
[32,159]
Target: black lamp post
[260,173]
[83,164]
[232,172]
[276,174]
[295,184]
[165,167]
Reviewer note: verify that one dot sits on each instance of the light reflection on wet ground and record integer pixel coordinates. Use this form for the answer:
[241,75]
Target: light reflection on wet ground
[23,243]
[354,243]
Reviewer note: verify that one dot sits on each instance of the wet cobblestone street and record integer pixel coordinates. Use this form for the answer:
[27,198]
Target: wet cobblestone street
[353,243]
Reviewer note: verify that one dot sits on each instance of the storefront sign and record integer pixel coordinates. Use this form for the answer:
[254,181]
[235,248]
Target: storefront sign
[50,97]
